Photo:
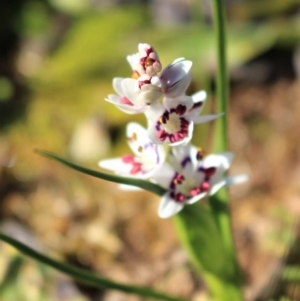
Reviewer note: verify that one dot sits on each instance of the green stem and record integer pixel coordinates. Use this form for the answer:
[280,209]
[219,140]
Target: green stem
[85,276]
[220,143]
[220,201]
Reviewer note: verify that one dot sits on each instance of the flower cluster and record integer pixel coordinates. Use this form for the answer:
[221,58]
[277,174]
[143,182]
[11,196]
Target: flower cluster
[160,94]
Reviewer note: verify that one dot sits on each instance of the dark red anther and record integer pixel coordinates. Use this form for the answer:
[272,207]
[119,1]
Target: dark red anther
[180,110]
[209,171]
[199,155]
[179,197]
[197,105]
[178,179]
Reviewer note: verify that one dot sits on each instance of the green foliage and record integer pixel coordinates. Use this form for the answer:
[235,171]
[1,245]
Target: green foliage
[34,19]
[94,46]
[8,291]
[201,237]
[85,276]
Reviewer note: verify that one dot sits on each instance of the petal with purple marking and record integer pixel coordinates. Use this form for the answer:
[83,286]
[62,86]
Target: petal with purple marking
[168,206]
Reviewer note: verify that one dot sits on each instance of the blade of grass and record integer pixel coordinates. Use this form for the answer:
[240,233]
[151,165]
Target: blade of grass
[85,276]
[219,202]
[152,187]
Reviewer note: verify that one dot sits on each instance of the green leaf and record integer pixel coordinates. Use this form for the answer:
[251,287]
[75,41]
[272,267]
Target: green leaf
[85,276]
[199,234]
[8,285]
[152,187]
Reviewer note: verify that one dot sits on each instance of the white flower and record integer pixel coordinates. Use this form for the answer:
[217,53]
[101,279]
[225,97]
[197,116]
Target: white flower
[147,156]
[176,78]
[127,99]
[172,82]
[146,86]
[172,122]
[146,61]
[189,177]
[149,59]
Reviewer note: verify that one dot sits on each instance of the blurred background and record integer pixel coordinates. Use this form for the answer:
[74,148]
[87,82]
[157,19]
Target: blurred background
[57,61]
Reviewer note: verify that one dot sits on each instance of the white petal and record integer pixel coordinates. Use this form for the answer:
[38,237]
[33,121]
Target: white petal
[180,59]
[149,94]
[198,99]
[152,134]
[222,160]
[180,63]
[175,88]
[175,78]
[128,87]
[117,85]
[129,187]
[116,165]
[132,60]
[154,111]
[236,179]
[181,152]
[163,175]
[129,109]
[196,198]
[205,118]
[137,137]
[172,103]
[168,207]
[137,129]
[200,96]
[215,187]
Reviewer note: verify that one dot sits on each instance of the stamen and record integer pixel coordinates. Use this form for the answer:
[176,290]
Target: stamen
[179,197]
[140,148]
[199,154]
[170,126]
[204,186]
[162,135]
[209,171]
[195,191]
[134,136]
[180,110]
[146,62]
[135,75]
[178,179]
[163,119]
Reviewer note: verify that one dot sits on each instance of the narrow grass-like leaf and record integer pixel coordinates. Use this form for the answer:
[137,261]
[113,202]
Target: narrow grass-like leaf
[12,271]
[199,234]
[85,276]
[152,187]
